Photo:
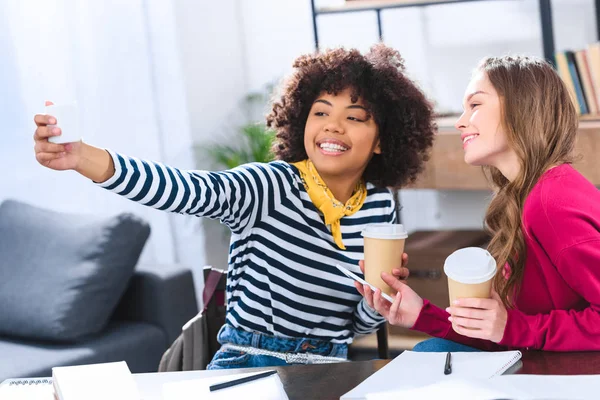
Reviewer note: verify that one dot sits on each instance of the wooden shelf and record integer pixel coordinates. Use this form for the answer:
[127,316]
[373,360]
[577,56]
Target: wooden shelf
[366,5]
[447,170]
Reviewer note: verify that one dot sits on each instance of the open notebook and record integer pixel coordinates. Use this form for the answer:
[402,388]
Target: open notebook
[414,369]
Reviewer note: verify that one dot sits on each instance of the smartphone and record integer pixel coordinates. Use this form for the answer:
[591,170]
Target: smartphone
[360,280]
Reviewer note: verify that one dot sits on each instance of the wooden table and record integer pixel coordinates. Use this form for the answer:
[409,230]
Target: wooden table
[330,381]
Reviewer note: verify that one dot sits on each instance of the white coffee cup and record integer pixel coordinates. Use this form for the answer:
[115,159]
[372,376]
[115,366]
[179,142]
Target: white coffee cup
[67,119]
[470,272]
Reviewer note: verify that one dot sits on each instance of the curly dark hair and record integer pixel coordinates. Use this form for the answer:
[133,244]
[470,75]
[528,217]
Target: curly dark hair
[403,114]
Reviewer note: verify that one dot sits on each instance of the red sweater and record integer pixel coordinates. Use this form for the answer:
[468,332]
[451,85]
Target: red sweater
[558,306]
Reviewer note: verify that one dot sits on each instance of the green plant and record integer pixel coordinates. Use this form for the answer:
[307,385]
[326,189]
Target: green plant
[254,145]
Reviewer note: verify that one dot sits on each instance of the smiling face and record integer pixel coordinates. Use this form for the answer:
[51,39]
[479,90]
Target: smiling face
[340,136]
[484,139]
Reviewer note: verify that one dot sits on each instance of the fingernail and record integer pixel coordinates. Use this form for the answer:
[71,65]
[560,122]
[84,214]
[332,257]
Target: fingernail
[55,131]
[450,319]
[448,309]
[455,302]
[68,147]
[62,154]
[51,121]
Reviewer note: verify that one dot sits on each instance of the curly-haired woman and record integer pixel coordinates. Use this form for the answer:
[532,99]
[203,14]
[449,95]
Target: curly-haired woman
[348,127]
[519,123]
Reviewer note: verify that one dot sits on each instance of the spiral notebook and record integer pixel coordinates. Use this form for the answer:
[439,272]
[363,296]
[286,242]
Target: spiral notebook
[414,369]
[75,383]
[30,389]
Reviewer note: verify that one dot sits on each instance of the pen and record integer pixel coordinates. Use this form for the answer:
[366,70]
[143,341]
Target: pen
[245,379]
[448,365]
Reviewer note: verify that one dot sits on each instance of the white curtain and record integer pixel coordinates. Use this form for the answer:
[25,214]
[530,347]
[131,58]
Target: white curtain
[119,60]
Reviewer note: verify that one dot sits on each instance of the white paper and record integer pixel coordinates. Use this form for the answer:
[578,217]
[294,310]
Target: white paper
[108,381]
[517,387]
[448,390]
[416,369]
[269,388]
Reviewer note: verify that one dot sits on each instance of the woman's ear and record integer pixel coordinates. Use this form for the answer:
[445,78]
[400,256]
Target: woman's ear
[377,149]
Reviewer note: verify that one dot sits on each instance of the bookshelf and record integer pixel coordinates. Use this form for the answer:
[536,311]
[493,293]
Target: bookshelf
[447,170]
[377,6]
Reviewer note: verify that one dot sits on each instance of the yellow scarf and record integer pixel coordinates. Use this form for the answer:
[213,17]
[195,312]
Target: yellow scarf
[332,209]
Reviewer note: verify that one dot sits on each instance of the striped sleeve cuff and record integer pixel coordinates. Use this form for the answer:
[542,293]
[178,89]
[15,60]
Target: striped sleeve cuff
[119,171]
[367,319]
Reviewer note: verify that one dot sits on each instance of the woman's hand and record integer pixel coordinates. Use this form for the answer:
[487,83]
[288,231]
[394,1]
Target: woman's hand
[479,318]
[407,304]
[93,163]
[401,272]
[59,157]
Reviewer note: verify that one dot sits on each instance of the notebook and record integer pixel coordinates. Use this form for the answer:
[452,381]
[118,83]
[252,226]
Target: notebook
[269,388]
[27,389]
[415,369]
[95,382]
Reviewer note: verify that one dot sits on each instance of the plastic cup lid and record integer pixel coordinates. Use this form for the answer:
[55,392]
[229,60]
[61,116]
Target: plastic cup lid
[470,265]
[385,231]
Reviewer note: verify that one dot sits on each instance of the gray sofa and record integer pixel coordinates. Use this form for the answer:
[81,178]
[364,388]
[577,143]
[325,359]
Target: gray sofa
[83,300]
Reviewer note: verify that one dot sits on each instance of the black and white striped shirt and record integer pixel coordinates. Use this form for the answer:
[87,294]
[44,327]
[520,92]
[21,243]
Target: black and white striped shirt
[281,279]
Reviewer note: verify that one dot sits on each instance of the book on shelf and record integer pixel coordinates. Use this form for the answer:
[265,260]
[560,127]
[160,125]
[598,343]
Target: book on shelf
[580,70]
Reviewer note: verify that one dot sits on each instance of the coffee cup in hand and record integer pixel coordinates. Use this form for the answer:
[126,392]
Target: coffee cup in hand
[470,273]
[67,119]
[384,246]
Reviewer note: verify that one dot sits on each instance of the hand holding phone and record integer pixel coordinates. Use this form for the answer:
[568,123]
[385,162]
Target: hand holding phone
[360,280]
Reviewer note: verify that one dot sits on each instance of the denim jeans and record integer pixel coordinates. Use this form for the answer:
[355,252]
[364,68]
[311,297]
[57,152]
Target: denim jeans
[229,358]
[441,345]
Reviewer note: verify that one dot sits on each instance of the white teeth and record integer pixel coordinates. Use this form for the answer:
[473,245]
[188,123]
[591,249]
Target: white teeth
[332,147]
[467,138]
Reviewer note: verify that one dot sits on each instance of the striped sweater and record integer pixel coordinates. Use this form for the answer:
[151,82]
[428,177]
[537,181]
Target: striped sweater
[281,279]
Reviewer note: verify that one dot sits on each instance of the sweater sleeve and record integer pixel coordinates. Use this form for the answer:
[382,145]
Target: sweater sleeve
[237,197]
[365,319]
[433,321]
[564,330]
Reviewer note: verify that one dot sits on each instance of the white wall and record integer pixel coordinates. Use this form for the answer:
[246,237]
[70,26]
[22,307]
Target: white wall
[212,53]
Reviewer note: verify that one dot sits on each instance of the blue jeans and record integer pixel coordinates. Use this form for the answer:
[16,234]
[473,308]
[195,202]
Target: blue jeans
[441,345]
[230,358]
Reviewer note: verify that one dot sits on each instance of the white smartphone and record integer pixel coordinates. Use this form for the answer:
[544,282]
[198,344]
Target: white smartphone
[360,280]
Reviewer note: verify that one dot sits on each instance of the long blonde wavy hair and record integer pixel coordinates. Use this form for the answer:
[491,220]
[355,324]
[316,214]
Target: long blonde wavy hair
[540,123]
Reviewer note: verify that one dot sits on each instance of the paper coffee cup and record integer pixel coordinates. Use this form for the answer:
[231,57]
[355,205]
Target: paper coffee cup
[67,119]
[384,246]
[470,272]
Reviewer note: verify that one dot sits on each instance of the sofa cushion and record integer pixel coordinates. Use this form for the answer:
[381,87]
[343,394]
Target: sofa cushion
[62,275]
[139,344]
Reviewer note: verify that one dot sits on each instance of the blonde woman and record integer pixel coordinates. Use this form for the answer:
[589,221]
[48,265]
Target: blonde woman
[520,124]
